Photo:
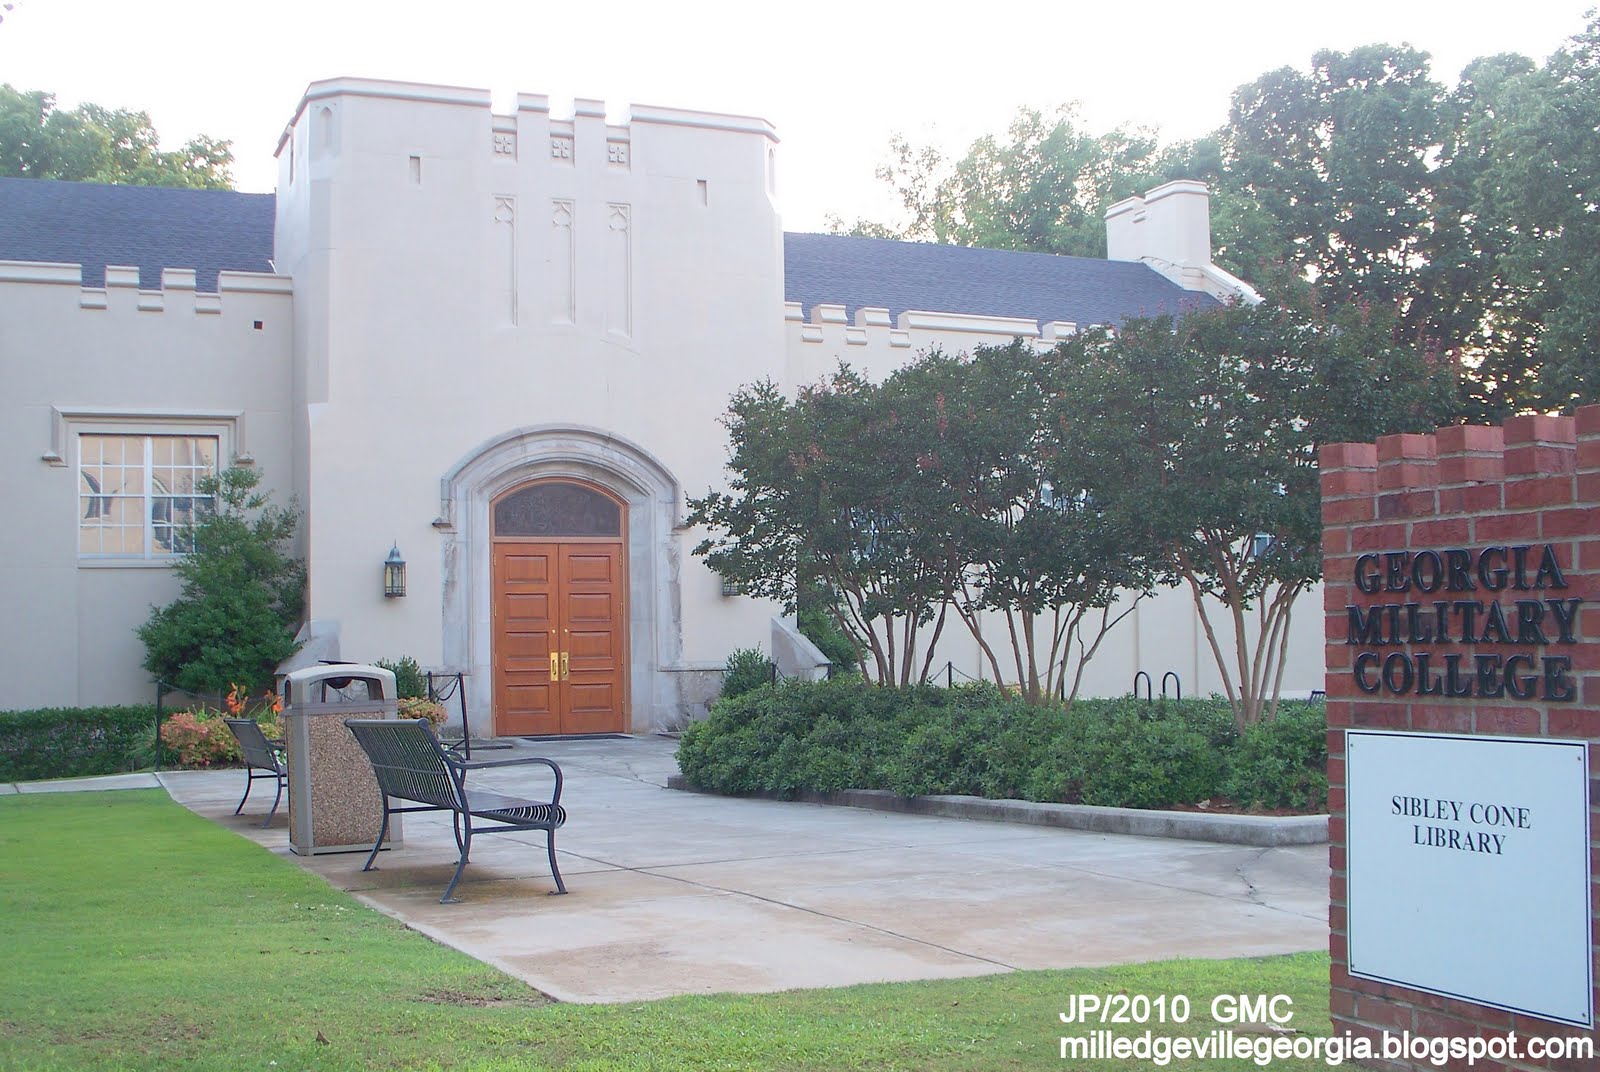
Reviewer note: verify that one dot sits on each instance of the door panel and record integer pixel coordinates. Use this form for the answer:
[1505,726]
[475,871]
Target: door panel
[589,564]
[525,598]
[564,599]
[528,567]
[591,634]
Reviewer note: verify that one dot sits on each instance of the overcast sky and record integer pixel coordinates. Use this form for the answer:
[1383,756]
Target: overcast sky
[836,79]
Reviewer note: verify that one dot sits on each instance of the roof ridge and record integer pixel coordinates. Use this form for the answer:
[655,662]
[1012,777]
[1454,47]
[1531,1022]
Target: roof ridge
[953,245]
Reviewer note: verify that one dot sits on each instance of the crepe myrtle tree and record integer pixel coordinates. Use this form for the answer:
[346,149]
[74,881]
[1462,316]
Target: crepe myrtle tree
[1045,569]
[1207,427]
[825,486]
[934,491]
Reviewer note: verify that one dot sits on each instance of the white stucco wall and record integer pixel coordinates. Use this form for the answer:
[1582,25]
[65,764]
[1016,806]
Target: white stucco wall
[115,359]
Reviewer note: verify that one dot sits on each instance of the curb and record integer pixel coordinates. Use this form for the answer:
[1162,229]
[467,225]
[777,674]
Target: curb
[88,783]
[1262,831]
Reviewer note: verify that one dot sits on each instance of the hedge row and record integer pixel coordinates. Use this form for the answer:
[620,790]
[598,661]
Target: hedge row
[845,734]
[68,742]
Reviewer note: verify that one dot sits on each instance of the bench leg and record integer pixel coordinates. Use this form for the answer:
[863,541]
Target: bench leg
[275,802]
[550,840]
[383,832]
[249,780]
[461,864]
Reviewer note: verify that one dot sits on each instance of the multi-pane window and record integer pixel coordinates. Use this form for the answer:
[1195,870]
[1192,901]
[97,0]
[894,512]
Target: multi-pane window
[137,493]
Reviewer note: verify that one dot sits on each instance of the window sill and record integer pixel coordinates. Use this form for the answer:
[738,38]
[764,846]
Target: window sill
[127,563]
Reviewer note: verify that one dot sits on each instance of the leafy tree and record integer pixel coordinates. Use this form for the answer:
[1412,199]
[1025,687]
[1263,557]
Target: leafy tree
[1034,552]
[1516,280]
[90,143]
[242,594]
[820,488]
[1463,303]
[1208,427]
[932,492]
[1472,211]
[1041,187]
[1338,158]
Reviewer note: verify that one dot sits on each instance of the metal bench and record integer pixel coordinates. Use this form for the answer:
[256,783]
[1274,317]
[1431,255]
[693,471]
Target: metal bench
[260,755]
[412,765]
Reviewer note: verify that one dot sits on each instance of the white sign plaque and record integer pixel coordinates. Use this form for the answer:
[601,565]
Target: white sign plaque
[1468,868]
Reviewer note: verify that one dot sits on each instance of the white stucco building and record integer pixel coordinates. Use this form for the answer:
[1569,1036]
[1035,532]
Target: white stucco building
[501,343]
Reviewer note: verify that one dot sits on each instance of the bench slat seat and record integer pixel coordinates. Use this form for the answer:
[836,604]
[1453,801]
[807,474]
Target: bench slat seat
[514,809]
[411,764]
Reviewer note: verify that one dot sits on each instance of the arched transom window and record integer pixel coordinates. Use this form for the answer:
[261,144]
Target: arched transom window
[555,509]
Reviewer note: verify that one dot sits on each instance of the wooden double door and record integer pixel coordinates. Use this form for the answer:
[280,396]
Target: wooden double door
[560,631]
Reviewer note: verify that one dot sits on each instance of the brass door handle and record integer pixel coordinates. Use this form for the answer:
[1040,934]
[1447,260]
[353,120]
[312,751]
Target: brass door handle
[555,666]
[566,665]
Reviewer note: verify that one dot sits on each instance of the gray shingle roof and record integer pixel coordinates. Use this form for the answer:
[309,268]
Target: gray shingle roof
[152,227]
[208,230]
[879,273]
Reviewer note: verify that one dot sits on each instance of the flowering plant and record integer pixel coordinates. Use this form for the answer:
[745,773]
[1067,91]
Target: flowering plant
[238,702]
[420,707]
[200,738]
[197,739]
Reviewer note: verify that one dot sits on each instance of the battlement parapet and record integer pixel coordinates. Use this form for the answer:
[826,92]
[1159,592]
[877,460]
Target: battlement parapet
[830,322]
[531,118]
[178,285]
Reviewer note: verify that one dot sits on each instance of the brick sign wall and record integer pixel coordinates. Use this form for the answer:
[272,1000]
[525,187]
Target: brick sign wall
[1463,621]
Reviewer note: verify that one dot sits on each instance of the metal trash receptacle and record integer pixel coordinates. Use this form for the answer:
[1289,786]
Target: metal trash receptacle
[334,804]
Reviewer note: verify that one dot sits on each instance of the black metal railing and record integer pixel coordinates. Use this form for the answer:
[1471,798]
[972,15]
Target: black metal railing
[445,687]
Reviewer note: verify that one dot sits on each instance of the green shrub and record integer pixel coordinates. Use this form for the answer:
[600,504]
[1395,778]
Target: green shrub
[1134,755]
[409,682]
[846,733]
[1283,764]
[69,742]
[819,627]
[747,669]
[235,619]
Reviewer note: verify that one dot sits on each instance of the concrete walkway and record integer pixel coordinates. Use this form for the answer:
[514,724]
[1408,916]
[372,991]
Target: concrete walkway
[675,893]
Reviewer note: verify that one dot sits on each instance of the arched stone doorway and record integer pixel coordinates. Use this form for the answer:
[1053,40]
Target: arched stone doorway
[648,499]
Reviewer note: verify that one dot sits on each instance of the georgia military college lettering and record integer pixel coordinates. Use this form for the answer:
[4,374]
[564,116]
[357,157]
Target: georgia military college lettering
[1455,616]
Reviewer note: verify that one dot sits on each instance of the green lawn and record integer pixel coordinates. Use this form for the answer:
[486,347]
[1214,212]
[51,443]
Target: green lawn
[135,935]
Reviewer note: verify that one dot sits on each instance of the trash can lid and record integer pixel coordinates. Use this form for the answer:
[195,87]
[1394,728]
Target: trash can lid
[380,683]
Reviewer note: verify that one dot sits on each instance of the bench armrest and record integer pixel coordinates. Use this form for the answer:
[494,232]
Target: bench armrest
[481,764]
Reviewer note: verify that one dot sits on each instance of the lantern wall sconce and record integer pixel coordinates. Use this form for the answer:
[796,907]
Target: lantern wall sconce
[394,573]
